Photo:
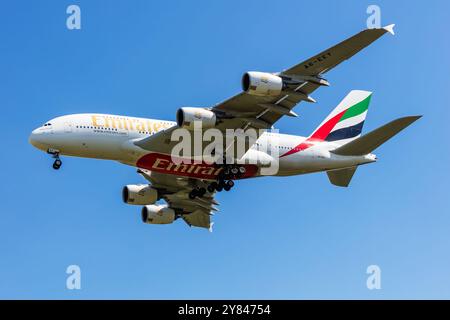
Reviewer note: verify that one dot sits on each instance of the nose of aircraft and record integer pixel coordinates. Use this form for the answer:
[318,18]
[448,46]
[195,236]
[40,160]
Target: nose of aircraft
[32,137]
[35,139]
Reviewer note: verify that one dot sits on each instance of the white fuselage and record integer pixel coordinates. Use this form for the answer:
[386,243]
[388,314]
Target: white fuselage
[111,137]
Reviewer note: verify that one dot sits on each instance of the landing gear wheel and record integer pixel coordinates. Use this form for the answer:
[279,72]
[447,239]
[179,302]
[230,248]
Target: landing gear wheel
[57,164]
[55,155]
[201,192]
[193,194]
[212,187]
[197,192]
[220,186]
[228,185]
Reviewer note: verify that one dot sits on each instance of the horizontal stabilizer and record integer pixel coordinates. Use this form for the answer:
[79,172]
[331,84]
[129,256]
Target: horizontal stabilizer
[341,177]
[369,142]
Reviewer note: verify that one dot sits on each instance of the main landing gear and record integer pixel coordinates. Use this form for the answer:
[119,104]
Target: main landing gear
[221,185]
[197,192]
[224,181]
[55,155]
[214,186]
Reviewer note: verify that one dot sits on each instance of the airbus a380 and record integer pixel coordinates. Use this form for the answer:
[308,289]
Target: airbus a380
[335,147]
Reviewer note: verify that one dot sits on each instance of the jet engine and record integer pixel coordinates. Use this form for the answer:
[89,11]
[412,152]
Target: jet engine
[262,84]
[154,214]
[187,116]
[140,194]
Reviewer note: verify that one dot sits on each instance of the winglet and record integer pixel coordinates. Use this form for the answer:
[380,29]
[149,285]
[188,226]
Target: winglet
[210,229]
[390,28]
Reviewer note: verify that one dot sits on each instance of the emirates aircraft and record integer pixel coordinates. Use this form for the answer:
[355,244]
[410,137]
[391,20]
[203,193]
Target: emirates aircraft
[335,147]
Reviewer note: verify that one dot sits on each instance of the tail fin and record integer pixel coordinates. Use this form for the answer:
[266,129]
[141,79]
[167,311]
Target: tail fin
[346,121]
[369,142]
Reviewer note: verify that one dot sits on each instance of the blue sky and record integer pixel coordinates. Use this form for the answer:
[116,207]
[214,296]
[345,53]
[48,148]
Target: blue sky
[296,237]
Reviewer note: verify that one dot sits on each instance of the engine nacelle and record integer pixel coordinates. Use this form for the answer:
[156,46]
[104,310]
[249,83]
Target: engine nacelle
[140,194]
[154,214]
[187,116]
[262,84]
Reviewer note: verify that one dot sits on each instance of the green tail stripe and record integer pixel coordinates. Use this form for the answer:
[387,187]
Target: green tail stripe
[357,109]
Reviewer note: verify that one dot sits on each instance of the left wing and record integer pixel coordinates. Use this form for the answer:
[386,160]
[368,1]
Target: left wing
[246,110]
[175,191]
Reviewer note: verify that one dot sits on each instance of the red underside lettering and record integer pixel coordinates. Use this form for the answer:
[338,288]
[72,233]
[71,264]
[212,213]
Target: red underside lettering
[164,163]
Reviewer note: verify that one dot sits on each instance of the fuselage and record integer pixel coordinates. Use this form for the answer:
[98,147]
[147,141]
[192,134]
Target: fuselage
[112,137]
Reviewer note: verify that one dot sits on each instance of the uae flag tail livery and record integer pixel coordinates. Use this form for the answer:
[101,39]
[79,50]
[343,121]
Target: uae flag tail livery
[343,125]
[346,121]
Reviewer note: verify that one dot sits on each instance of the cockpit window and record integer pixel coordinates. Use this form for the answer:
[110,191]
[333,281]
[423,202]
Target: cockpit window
[47,124]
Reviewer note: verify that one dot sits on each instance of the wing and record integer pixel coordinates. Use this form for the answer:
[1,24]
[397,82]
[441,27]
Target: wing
[175,191]
[262,112]
[159,142]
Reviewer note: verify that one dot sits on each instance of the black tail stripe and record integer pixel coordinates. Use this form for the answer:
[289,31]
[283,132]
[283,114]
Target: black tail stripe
[345,133]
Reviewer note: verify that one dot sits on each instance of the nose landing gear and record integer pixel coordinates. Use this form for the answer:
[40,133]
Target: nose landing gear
[57,164]
[55,154]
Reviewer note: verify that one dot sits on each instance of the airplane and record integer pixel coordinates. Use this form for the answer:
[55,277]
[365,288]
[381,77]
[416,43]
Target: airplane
[335,147]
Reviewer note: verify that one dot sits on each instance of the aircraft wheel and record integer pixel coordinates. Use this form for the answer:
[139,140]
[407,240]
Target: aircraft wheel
[220,186]
[57,164]
[212,187]
[201,192]
[193,194]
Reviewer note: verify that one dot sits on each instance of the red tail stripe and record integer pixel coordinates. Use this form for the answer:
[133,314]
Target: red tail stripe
[319,135]
[322,132]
